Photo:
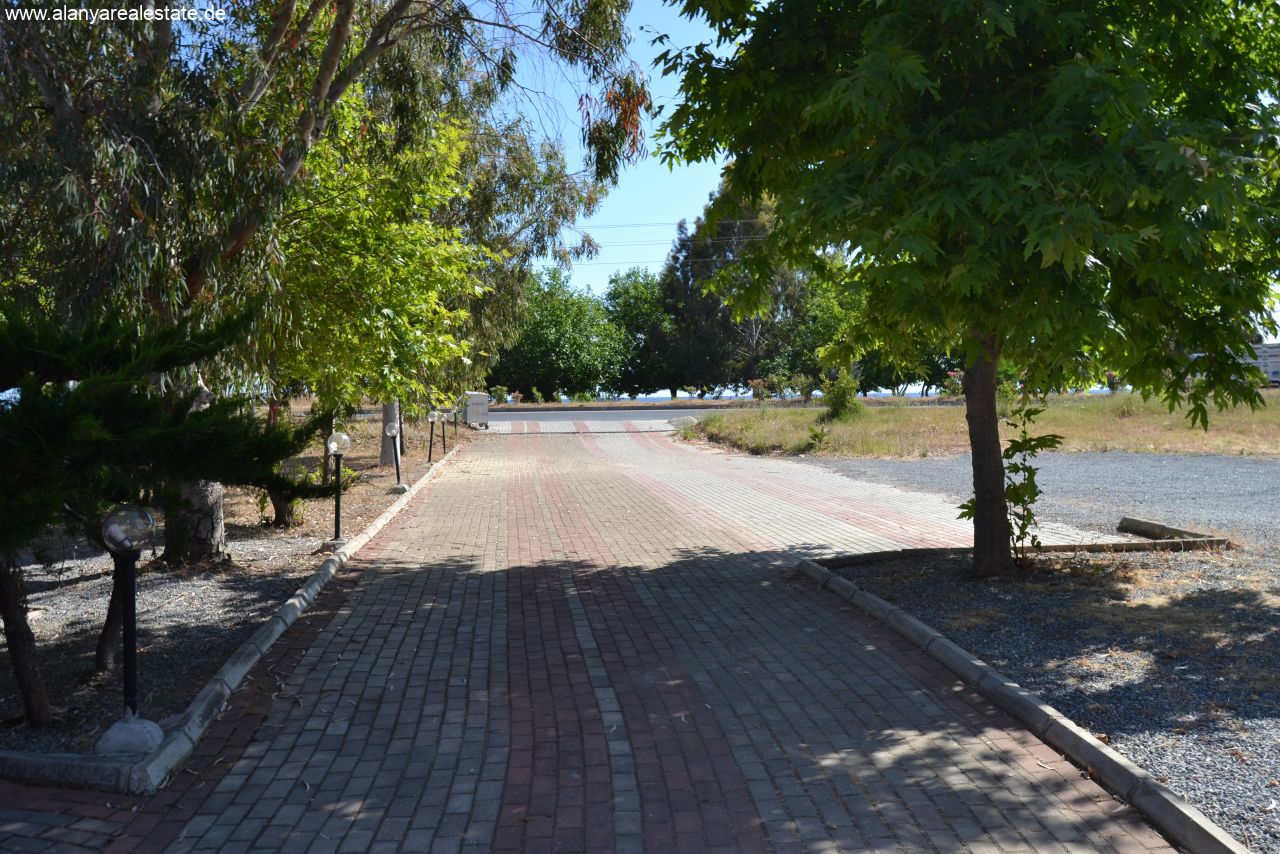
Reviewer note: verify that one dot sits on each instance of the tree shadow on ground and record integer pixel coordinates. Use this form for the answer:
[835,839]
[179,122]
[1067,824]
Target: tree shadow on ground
[189,623]
[1149,644]
[835,743]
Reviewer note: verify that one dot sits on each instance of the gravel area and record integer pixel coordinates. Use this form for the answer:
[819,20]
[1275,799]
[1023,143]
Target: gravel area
[1174,658]
[1224,496]
[189,620]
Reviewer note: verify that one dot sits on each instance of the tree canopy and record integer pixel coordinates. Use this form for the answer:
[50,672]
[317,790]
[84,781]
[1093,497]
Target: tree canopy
[373,294]
[1064,183]
[566,342]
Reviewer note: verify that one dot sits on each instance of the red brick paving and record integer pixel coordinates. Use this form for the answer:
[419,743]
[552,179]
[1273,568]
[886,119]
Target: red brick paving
[576,644]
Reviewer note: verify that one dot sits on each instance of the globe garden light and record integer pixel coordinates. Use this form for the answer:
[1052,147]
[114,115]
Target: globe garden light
[393,432]
[126,530]
[338,444]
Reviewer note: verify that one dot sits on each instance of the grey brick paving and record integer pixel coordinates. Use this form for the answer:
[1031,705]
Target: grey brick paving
[404,695]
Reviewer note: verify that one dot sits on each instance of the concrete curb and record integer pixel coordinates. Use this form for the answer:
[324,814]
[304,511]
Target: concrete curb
[1178,820]
[1166,533]
[147,775]
[1197,543]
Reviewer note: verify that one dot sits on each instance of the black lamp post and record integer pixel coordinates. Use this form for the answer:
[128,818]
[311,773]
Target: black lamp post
[393,433]
[432,417]
[126,530]
[338,444]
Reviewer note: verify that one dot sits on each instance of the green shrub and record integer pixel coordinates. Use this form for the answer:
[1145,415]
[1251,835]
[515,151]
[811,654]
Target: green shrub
[804,384]
[498,393]
[584,397]
[841,397]
[776,384]
[535,396]
[759,389]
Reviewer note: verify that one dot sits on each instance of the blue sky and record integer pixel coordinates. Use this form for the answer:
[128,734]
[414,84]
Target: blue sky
[636,223]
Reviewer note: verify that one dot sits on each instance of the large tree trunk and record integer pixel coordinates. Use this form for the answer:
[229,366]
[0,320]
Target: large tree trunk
[104,658]
[390,415]
[200,532]
[992,552]
[22,645]
[285,509]
[195,531]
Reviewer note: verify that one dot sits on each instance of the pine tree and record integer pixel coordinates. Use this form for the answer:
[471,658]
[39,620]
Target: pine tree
[88,429]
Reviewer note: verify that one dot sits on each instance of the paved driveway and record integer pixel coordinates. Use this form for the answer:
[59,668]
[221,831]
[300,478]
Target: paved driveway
[598,642]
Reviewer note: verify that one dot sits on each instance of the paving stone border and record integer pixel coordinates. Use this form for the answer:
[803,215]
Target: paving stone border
[148,774]
[1178,820]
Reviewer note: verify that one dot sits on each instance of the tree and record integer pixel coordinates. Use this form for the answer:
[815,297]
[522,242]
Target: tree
[88,429]
[566,343]
[702,324]
[150,161]
[715,343]
[1065,184]
[372,293]
[633,304]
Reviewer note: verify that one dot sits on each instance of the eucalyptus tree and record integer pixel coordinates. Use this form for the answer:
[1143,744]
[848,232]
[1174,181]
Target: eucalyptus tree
[146,164]
[1062,183]
[714,342]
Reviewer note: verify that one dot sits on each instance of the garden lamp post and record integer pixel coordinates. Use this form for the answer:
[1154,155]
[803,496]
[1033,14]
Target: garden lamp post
[126,530]
[432,417]
[444,442]
[393,433]
[338,444]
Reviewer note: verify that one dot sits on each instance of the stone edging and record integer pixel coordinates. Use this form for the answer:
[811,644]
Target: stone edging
[1163,533]
[1182,823]
[1194,542]
[147,775]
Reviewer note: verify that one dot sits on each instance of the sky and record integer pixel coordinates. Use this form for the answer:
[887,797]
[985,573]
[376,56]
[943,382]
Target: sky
[635,225]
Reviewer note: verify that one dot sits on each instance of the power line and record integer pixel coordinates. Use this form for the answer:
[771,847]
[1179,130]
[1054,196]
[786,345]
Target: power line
[699,242]
[585,226]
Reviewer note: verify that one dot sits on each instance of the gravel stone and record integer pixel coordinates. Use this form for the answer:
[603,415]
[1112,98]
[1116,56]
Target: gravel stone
[1185,683]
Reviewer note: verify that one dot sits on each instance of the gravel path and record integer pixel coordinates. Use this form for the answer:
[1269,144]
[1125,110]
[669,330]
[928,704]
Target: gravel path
[1175,658]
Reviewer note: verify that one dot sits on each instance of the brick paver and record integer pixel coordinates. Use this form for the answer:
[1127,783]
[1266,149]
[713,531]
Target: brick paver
[597,642]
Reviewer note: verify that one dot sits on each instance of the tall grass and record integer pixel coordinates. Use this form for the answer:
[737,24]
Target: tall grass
[1119,422]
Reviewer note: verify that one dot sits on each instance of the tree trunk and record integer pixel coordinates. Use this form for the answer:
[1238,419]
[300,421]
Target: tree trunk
[282,506]
[22,645]
[195,531]
[285,515]
[104,658]
[390,415]
[200,533]
[992,552]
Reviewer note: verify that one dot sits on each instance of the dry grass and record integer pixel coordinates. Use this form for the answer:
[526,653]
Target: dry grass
[1122,422]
